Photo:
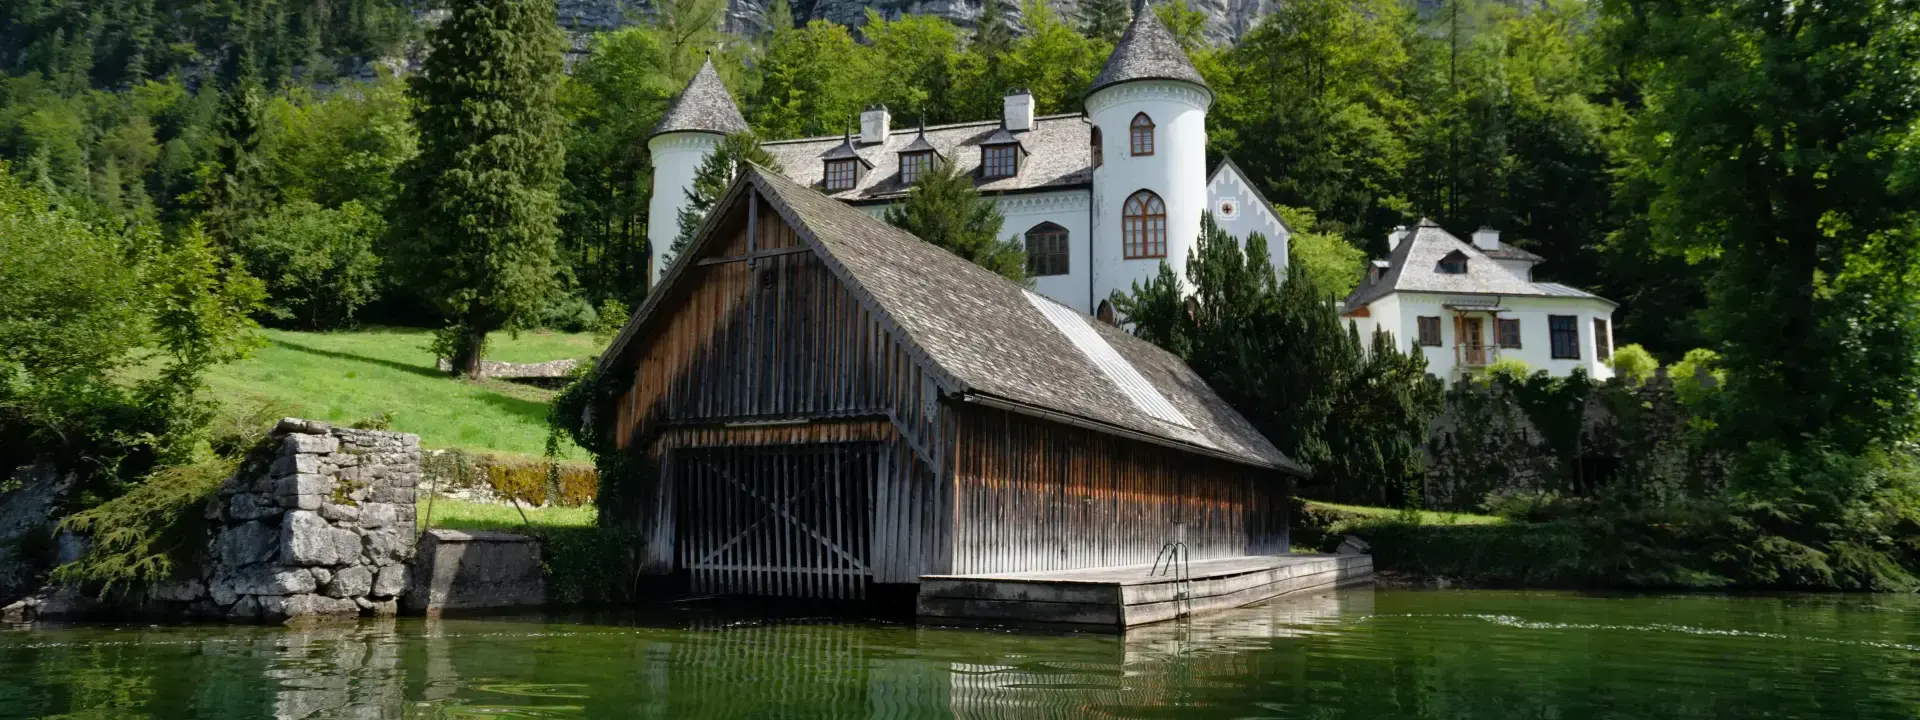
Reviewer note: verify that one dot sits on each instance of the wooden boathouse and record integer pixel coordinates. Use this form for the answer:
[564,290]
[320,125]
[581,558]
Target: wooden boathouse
[822,403]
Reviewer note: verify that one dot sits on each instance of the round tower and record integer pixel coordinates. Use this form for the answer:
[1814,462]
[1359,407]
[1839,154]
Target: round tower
[1148,107]
[693,126]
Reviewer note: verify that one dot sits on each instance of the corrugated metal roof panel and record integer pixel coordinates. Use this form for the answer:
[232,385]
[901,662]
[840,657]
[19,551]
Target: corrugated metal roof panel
[1111,364]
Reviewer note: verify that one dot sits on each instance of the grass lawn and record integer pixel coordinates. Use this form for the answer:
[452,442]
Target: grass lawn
[1427,517]
[342,377]
[462,515]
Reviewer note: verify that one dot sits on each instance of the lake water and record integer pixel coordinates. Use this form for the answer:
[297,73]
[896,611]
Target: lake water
[1358,653]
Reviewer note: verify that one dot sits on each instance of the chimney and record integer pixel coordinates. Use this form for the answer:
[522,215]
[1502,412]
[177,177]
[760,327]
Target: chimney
[1394,236]
[1019,111]
[1486,238]
[875,123]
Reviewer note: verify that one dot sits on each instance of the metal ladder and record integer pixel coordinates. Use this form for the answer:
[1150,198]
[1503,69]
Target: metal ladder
[1174,561]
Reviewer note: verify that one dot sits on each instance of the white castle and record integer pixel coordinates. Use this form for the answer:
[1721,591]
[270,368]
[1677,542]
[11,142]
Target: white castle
[1098,199]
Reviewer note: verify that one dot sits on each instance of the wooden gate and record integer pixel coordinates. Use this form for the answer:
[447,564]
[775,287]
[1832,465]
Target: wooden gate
[788,520]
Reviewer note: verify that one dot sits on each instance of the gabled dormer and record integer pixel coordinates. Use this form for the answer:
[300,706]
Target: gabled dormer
[1001,155]
[844,167]
[918,158]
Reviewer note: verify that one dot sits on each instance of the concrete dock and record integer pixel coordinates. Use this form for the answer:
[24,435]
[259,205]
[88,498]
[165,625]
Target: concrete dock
[1126,596]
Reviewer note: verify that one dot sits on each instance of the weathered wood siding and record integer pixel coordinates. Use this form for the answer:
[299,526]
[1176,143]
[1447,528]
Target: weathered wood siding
[781,340]
[1036,495]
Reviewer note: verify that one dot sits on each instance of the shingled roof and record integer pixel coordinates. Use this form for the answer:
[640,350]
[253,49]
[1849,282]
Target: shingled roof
[1058,147]
[1413,266]
[705,106]
[1146,52]
[984,339]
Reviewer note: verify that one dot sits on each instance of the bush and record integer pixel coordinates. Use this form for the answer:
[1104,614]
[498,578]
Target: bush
[568,313]
[588,565]
[105,333]
[1633,363]
[529,481]
[318,263]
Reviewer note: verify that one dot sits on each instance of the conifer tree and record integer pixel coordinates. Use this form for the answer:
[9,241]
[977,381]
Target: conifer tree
[1105,20]
[482,195]
[711,180]
[945,209]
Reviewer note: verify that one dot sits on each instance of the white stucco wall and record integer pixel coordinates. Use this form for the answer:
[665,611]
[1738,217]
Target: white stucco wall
[1068,209]
[1250,215]
[1176,172]
[676,157]
[1535,345]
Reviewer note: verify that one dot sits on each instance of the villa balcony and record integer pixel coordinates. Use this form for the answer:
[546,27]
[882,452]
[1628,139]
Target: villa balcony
[1475,355]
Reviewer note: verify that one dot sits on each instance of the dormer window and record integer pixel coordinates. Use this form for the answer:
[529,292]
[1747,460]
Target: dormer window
[999,161]
[1455,263]
[842,174]
[914,166]
[844,166]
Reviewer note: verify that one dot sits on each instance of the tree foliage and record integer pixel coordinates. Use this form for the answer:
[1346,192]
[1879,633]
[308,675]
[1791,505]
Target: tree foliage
[482,196]
[711,180]
[82,303]
[944,209]
[1278,352]
[318,263]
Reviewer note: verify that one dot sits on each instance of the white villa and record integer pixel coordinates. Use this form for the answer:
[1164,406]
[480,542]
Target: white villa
[1098,199]
[1468,305]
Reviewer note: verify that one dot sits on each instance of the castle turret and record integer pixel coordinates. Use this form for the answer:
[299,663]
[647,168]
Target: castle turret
[702,115]
[1148,107]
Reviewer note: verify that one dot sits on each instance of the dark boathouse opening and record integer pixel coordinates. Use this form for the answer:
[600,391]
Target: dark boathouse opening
[828,407]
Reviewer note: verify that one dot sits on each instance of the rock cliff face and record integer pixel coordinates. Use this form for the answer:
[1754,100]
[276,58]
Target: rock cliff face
[1229,18]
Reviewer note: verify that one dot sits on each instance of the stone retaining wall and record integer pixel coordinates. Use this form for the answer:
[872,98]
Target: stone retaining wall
[326,527]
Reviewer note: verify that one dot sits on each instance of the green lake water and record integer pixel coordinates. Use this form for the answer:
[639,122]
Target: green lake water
[1358,653]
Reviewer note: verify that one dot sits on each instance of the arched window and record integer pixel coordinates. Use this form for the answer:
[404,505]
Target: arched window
[1098,156]
[1047,250]
[1143,226]
[1105,313]
[1142,134]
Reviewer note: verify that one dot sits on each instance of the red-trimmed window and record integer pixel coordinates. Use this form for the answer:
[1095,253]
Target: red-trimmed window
[1141,133]
[913,166]
[999,161]
[1143,226]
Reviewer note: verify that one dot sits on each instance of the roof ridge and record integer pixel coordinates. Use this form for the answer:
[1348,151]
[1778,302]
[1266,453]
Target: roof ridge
[916,129]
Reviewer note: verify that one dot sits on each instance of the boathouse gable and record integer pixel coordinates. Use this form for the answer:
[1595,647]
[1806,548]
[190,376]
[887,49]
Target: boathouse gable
[832,403]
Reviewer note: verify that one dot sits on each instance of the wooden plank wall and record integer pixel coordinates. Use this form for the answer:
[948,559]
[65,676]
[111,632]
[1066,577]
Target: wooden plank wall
[781,339]
[781,520]
[1035,495]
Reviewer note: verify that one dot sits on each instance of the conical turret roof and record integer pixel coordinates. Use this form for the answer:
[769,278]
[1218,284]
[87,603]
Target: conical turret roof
[1147,51]
[705,106]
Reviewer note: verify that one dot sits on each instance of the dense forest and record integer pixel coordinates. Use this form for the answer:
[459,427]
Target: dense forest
[1741,174]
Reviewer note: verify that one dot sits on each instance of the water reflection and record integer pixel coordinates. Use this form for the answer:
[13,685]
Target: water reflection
[1355,653]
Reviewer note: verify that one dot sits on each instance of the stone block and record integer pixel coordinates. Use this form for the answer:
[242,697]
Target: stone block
[378,515]
[347,546]
[298,443]
[311,503]
[476,569]
[221,591]
[320,575]
[245,608]
[297,606]
[251,506]
[301,426]
[378,608]
[182,590]
[350,582]
[303,484]
[307,539]
[390,582]
[340,513]
[268,580]
[295,464]
[390,545]
[247,543]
